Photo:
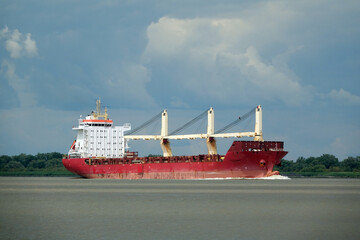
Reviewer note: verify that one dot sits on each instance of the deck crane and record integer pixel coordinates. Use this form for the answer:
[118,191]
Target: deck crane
[210,135]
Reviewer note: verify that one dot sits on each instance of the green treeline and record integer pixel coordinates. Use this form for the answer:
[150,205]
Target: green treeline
[39,164]
[324,163]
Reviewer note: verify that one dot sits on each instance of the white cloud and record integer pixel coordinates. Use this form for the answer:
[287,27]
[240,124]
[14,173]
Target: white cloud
[17,45]
[344,97]
[273,82]
[177,34]
[196,38]
[249,53]
[3,32]
[14,48]
[30,46]
[220,59]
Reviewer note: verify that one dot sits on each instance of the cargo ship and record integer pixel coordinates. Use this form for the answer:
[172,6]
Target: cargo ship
[101,150]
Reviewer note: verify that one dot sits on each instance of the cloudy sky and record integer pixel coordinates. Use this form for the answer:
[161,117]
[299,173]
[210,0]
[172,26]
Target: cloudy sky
[300,60]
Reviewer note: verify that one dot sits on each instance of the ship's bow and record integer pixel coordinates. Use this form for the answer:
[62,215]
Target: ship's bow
[255,159]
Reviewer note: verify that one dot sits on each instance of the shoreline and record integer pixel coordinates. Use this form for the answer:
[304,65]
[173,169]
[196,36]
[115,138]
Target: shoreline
[287,174]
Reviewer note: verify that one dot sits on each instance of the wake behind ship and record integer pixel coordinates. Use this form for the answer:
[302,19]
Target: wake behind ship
[101,151]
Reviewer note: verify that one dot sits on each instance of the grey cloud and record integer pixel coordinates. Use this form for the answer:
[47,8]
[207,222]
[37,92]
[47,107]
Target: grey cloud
[127,83]
[19,84]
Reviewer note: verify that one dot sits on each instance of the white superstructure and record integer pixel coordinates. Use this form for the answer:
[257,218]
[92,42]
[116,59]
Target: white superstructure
[98,137]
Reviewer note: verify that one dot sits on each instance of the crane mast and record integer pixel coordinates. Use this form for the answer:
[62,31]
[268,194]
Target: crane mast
[210,135]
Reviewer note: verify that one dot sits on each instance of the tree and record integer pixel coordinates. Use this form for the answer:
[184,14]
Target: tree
[314,168]
[154,155]
[37,164]
[328,160]
[14,165]
[300,164]
[53,163]
[46,156]
[311,161]
[23,158]
[286,166]
[4,159]
[53,155]
[351,164]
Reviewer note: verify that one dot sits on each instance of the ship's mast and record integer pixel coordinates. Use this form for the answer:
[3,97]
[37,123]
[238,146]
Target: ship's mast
[164,142]
[210,141]
[258,125]
[98,114]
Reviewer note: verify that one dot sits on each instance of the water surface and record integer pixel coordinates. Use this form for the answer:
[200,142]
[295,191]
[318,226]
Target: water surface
[76,208]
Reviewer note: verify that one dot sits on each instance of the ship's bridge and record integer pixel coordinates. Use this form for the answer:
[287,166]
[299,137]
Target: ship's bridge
[94,121]
[97,122]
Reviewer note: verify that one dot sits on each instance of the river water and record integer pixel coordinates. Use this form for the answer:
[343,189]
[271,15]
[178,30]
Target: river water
[76,208]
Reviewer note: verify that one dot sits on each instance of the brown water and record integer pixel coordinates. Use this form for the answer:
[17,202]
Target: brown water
[75,208]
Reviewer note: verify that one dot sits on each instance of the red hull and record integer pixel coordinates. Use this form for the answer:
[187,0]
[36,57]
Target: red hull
[245,159]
